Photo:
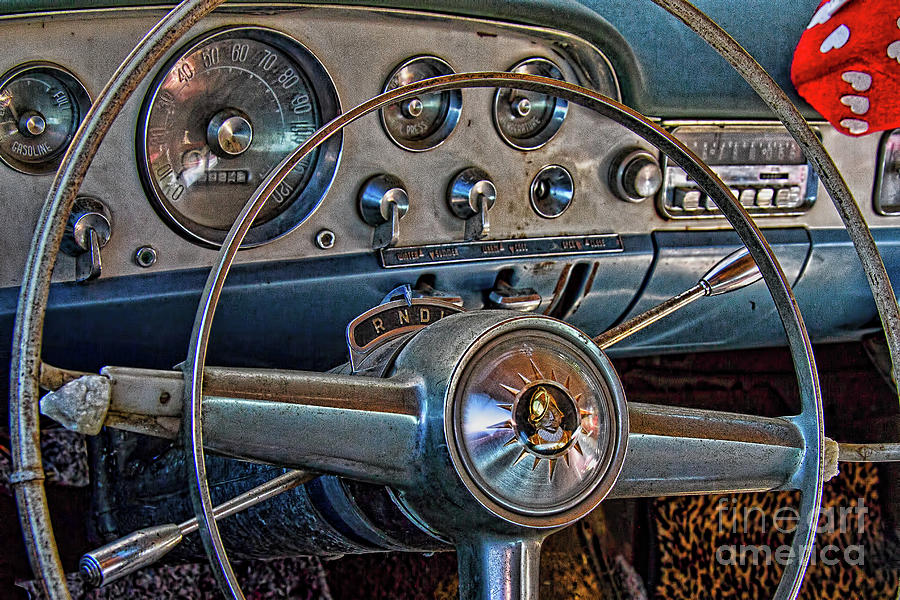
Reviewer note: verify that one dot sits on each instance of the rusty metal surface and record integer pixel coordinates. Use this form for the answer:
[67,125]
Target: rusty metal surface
[869,452]
[155,393]
[53,378]
[27,339]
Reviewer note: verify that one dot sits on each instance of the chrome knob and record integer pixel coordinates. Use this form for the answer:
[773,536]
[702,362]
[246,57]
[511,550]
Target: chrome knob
[229,133]
[471,195]
[32,124]
[383,201]
[521,107]
[412,109]
[636,176]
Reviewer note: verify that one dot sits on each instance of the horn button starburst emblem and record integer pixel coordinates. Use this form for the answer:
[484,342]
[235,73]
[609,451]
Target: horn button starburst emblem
[545,418]
[538,422]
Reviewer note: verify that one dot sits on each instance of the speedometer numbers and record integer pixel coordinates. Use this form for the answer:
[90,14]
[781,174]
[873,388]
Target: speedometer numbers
[220,115]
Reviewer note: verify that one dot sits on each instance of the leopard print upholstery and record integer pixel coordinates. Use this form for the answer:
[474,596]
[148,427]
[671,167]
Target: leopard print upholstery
[710,546]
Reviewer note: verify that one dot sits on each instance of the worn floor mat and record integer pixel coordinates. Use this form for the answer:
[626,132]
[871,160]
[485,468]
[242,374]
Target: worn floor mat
[735,546]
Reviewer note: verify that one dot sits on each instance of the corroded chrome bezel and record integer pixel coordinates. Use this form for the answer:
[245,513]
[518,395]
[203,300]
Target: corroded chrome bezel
[451,111]
[82,100]
[540,137]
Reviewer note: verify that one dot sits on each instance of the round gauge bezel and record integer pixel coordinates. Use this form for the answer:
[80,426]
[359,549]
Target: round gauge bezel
[303,203]
[451,119]
[79,94]
[560,107]
[567,190]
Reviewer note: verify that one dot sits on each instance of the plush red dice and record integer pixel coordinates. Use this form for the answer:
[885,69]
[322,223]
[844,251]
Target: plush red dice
[847,64]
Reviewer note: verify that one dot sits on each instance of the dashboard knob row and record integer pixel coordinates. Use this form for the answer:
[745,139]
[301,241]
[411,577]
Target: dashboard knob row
[634,176]
[384,200]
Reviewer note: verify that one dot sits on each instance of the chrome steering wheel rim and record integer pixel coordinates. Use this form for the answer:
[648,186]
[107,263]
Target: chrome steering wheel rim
[809,422]
[28,476]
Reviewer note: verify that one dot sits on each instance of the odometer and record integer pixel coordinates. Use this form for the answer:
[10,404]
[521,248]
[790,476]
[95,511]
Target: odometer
[220,115]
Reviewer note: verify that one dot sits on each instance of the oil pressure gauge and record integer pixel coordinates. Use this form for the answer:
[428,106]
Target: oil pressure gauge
[527,120]
[41,106]
[423,122]
[220,116]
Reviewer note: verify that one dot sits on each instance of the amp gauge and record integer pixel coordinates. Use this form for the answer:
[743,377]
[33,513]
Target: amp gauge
[41,106]
[527,120]
[423,122]
[222,113]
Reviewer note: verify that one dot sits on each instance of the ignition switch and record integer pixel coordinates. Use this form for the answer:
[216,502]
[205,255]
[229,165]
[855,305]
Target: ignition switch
[87,231]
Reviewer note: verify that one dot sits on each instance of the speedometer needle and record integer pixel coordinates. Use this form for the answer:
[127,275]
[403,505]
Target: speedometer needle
[735,271]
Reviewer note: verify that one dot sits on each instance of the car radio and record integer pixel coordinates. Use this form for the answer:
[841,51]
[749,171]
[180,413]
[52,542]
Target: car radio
[762,166]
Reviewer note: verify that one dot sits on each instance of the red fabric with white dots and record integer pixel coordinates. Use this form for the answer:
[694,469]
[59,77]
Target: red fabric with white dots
[847,64]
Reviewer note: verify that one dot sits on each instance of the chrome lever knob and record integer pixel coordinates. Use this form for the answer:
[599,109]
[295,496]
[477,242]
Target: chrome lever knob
[636,176]
[383,201]
[88,230]
[471,195]
[506,297]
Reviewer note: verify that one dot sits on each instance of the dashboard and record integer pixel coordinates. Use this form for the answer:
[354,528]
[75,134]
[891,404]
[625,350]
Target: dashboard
[500,198]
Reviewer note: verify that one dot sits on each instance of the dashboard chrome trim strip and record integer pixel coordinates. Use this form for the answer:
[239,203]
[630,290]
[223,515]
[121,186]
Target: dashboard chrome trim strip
[457,252]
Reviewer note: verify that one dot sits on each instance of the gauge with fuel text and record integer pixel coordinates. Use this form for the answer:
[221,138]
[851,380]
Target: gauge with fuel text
[41,106]
[220,116]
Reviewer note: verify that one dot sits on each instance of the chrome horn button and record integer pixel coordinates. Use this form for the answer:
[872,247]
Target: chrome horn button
[538,422]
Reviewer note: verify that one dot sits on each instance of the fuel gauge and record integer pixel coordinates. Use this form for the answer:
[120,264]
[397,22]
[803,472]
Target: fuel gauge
[41,106]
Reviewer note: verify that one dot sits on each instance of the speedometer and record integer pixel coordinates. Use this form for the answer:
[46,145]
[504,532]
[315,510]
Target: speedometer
[221,114]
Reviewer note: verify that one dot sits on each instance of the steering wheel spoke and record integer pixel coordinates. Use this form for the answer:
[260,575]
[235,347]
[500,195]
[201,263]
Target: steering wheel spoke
[360,427]
[680,451]
[499,568]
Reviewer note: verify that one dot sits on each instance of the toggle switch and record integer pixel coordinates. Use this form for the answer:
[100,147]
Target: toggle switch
[87,231]
[471,195]
[383,201]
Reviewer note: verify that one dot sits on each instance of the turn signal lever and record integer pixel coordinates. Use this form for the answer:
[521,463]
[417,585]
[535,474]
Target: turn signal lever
[735,271]
[87,231]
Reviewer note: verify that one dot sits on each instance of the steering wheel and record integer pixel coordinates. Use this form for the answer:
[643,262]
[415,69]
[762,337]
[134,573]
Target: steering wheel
[423,430]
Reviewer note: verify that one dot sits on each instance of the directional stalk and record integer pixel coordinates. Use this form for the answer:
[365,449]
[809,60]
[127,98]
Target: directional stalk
[144,547]
[735,271]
